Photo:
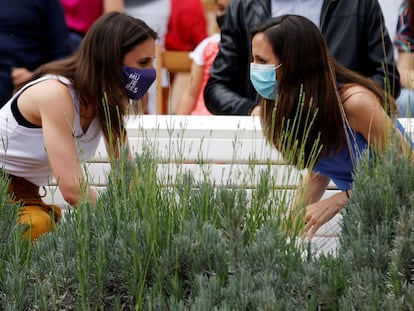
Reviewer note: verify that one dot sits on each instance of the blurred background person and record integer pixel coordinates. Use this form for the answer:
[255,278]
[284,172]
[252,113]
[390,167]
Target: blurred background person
[354,30]
[187,25]
[80,15]
[192,99]
[154,12]
[31,33]
[404,42]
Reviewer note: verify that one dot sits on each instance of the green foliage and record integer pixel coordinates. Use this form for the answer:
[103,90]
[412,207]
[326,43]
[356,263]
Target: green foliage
[378,234]
[196,246]
[15,255]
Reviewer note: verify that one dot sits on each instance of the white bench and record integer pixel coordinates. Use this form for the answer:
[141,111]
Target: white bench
[227,144]
[231,148]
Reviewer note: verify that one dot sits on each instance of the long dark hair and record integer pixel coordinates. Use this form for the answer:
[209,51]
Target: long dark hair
[95,69]
[309,80]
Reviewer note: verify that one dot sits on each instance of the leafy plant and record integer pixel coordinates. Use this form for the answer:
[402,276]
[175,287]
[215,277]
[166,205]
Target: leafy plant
[196,246]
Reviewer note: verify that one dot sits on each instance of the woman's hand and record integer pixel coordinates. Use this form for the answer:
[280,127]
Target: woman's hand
[20,75]
[257,111]
[319,213]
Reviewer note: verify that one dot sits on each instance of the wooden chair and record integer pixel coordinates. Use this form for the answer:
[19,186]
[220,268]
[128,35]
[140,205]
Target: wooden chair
[174,62]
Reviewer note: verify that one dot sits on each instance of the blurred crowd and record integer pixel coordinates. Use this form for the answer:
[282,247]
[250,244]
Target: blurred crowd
[34,33]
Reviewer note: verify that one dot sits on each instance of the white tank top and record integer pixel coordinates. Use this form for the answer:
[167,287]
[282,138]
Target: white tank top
[22,149]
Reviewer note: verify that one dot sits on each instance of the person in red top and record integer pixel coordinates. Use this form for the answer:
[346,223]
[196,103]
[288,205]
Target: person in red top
[192,99]
[187,25]
[80,15]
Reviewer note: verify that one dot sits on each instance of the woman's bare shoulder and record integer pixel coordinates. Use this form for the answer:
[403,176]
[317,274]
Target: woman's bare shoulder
[48,96]
[359,105]
[354,93]
[356,97]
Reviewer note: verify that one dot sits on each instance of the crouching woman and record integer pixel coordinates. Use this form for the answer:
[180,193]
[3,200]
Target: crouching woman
[55,121]
[312,106]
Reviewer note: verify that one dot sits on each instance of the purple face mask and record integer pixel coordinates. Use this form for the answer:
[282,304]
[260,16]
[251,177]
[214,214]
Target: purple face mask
[138,81]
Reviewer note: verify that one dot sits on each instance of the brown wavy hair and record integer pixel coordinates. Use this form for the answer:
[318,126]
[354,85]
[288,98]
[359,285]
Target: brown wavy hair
[95,69]
[309,82]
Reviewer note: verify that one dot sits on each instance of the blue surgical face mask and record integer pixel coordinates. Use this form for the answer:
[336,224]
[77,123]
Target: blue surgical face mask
[263,77]
[138,81]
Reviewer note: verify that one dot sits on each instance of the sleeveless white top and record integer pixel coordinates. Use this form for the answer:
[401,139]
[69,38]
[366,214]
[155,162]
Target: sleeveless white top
[22,149]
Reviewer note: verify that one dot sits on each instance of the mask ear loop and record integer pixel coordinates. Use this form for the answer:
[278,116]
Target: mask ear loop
[346,127]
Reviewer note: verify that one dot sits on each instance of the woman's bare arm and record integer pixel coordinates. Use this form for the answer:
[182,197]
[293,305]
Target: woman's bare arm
[50,104]
[190,95]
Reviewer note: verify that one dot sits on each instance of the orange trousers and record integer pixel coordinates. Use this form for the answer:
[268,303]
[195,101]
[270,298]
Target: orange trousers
[37,216]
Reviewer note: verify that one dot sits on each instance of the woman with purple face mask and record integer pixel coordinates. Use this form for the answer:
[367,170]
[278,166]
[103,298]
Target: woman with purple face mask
[55,122]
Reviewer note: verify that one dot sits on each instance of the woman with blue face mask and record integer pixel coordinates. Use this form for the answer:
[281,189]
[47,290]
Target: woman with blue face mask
[313,104]
[55,122]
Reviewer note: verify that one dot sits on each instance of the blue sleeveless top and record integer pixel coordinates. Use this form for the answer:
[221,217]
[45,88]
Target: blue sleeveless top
[340,167]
